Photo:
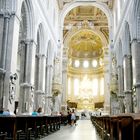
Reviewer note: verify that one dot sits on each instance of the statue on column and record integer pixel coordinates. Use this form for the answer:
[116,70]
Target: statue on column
[12,87]
[31,98]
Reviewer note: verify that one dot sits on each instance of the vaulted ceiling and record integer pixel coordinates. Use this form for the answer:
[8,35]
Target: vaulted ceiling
[84,30]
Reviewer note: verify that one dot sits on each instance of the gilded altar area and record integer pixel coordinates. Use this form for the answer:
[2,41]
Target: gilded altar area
[85,44]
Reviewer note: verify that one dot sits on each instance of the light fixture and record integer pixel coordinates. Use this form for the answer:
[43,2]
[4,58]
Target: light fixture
[85,64]
[77,63]
[94,63]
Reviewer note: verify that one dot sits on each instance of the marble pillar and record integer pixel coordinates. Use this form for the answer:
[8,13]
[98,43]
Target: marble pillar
[127,65]
[56,84]
[26,75]
[64,90]
[48,99]
[64,82]
[120,89]
[6,23]
[135,47]
[40,89]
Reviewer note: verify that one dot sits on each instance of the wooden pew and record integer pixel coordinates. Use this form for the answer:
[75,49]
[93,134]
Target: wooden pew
[118,127]
[136,126]
[3,136]
[28,127]
[8,125]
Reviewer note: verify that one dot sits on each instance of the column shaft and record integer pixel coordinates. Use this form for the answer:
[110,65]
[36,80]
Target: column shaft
[64,90]
[27,77]
[48,99]
[135,47]
[128,83]
[120,89]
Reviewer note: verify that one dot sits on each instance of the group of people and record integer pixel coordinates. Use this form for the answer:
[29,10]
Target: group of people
[37,112]
[72,118]
[6,112]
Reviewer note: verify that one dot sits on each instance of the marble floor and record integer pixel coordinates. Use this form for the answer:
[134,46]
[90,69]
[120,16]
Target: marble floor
[83,131]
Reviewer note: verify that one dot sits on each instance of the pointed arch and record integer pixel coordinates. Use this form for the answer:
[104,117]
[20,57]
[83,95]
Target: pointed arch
[127,39]
[27,15]
[50,52]
[136,20]
[100,5]
[119,53]
[41,39]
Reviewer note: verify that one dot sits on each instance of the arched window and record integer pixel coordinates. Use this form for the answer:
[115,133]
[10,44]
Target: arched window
[94,63]
[69,86]
[85,64]
[77,63]
[76,87]
[95,87]
[118,10]
[102,86]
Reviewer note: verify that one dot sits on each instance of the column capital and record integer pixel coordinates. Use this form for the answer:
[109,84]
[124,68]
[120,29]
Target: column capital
[57,60]
[64,71]
[135,41]
[41,55]
[121,95]
[128,91]
[119,66]
[26,85]
[40,92]
[28,41]
[49,96]
[50,66]
[7,14]
[127,56]
[136,85]
[2,71]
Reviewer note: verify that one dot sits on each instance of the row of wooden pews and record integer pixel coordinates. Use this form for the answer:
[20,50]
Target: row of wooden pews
[28,127]
[118,127]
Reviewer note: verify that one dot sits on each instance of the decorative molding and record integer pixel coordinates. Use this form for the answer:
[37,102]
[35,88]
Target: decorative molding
[41,55]
[136,85]
[7,14]
[28,42]
[26,85]
[2,71]
[40,92]
[128,91]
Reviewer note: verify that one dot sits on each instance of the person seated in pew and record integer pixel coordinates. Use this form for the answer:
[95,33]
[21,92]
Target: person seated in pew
[8,113]
[1,111]
[39,111]
[35,113]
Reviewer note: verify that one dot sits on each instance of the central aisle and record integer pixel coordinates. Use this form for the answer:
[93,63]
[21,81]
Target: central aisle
[83,131]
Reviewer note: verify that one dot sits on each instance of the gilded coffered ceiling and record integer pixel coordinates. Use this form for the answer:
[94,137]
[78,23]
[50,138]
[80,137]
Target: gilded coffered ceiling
[62,3]
[85,44]
[87,17]
[84,22]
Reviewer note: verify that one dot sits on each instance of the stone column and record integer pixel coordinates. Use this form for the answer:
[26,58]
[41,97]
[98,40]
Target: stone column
[135,47]
[120,89]
[48,99]
[64,83]
[27,75]
[128,83]
[56,84]
[6,20]
[56,104]
[40,90]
